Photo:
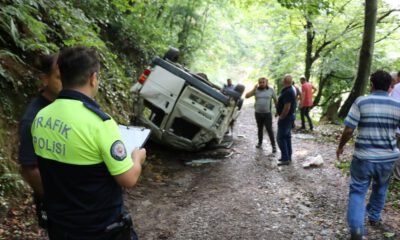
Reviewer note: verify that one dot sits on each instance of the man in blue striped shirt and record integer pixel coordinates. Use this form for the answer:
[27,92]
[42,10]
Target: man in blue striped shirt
[377,116]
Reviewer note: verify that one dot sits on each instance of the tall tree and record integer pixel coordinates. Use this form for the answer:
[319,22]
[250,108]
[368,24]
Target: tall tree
[365,58]
[310,9]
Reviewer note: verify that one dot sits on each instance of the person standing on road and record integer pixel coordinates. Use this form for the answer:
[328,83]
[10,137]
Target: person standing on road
[297,92]
[228,86]
[307,90]
[263,110]
[298,98]
[285,110]
[376,116]
[50,77]
[82,159]
[396,95]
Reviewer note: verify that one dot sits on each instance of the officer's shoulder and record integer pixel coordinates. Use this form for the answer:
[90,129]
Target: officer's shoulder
[104,116]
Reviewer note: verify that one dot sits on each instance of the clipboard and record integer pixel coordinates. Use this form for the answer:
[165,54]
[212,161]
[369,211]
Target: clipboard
[133,137]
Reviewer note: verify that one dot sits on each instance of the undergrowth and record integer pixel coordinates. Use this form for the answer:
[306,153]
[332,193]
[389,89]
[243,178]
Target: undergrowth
[394,194]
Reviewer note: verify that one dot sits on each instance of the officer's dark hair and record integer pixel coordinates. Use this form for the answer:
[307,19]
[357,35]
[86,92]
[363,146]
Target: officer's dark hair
[46,63]
[76,65]
[381,80]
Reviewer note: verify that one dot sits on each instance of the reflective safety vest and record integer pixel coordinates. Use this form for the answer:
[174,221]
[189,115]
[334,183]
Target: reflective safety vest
[79,150]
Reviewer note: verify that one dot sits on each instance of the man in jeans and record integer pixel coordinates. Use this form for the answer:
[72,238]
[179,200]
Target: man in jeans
[377,116]
[306,102]
[264,96]
[286,109]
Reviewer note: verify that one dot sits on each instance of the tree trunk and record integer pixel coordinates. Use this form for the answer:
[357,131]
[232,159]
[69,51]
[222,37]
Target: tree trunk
[331,113]
[309,48]
[365,59]
[322,82]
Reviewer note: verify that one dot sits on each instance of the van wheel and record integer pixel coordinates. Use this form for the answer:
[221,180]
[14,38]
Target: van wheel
[240,89]
[172,54]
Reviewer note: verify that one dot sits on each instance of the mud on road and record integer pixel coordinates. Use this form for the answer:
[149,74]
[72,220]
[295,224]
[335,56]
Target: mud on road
[242,193]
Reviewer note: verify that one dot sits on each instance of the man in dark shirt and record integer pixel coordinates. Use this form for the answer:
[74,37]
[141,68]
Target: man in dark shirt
[27,157]
[228,86]
[286,109]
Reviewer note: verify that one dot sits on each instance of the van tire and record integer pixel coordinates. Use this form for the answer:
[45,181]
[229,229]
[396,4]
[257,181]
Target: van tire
[239,88]
[172,54]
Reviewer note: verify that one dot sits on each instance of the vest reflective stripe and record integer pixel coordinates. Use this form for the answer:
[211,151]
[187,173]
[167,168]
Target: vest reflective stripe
[68,132]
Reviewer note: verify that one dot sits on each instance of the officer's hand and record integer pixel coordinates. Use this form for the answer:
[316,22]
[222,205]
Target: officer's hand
[139,155]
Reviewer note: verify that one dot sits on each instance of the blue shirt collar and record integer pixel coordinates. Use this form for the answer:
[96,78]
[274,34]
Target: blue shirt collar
[380,93]
[72,94]
[285,88]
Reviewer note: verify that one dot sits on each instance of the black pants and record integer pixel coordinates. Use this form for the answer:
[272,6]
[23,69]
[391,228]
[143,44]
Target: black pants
[305,111]
[125,233]
[265,120]
[122,235]
[40,212]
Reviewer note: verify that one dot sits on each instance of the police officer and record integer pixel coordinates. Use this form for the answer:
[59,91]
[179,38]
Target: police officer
[50,77]
[82,159]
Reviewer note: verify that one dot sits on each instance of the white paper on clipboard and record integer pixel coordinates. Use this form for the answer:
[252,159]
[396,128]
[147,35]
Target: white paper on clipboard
[133,137]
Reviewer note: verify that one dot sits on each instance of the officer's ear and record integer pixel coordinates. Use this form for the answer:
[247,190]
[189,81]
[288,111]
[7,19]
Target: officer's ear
[93,79]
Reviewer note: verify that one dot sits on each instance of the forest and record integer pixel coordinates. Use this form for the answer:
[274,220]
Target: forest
[335,44]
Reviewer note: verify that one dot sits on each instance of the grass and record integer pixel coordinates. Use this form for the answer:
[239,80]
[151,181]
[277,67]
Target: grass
[344,166]
[394,194]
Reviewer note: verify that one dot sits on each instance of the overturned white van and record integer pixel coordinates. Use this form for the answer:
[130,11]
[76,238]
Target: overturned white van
[184,110]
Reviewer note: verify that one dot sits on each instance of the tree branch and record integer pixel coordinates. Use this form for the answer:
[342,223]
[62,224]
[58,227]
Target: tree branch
[388,34]
[332,96]
[319,49]
[342,78]
[386,14]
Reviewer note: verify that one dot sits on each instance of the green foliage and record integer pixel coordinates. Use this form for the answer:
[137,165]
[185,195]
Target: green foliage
[309,7]
[344,166]
[394,194]
[11,182]
[27,32]
[126,33]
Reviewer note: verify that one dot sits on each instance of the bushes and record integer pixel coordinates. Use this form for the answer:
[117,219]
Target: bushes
[127,34]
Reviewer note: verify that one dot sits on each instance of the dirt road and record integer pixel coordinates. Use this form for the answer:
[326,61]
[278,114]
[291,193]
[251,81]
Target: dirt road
[242,193]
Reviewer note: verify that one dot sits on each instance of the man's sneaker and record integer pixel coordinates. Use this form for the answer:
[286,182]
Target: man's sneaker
[283,163]
[258,145]
[379,225]
[356,236]
[375,223]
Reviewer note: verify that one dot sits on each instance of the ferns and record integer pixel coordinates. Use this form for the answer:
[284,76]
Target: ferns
[27,33]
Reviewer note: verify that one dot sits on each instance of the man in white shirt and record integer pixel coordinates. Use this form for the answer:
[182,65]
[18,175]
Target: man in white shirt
[396,94]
